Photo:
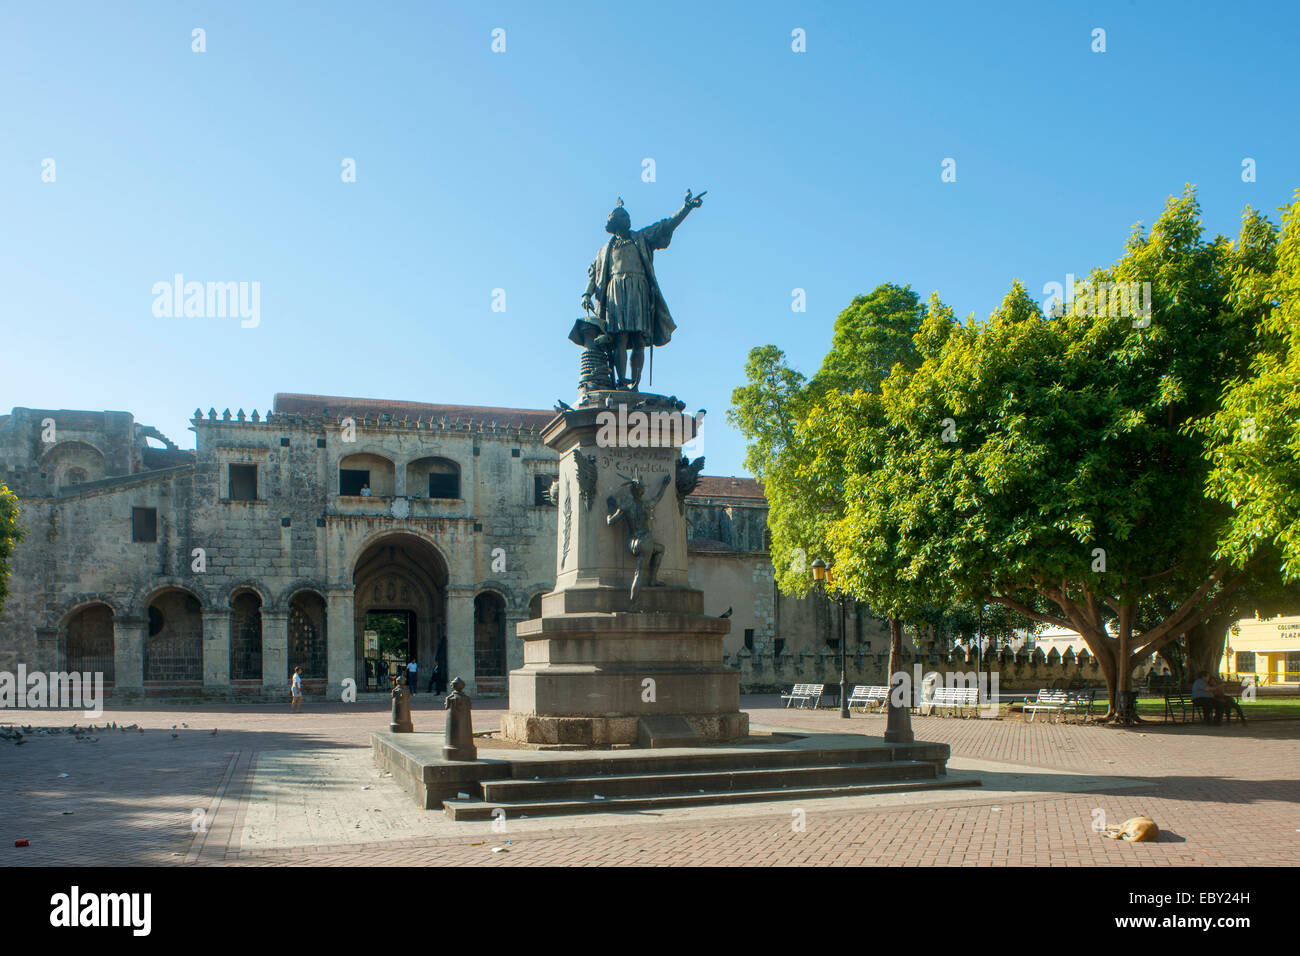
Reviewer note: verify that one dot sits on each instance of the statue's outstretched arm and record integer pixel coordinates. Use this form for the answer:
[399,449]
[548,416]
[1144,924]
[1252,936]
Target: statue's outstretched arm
[689,203]
[660,234]
[662,488]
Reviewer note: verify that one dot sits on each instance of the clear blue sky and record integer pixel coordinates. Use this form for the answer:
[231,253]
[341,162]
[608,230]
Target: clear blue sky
[478,171]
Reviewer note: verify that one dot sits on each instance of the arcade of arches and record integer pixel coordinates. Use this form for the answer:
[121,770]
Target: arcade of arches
[186,643]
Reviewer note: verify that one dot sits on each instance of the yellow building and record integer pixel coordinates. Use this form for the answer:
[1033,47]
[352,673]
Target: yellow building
[1268,650]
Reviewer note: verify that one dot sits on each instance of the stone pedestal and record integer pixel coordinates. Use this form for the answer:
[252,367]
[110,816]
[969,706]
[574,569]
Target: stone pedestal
[600,668]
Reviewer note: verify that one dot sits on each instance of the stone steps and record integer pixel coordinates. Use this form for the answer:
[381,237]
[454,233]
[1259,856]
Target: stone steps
[624,762]
[498,792]
[541,783]
[463,810]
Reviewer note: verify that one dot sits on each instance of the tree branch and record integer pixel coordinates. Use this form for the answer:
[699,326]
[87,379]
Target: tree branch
[1025,611]
[1190,619]
[1078,621]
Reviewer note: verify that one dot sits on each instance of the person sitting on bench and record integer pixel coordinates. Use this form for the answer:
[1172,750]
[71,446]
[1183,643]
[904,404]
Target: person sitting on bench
[1209,695]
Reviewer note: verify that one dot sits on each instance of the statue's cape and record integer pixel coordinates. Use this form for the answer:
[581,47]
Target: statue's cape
[647,240]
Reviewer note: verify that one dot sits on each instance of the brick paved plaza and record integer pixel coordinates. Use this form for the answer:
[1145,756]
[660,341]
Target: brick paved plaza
[271,788]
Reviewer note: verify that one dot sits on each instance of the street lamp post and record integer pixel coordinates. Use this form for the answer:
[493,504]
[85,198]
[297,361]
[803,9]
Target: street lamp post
[819,575]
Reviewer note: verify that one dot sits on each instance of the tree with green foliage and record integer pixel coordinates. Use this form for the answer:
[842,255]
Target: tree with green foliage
[11,533]
[1254,439]
[805,487]
[1046,464]
[391,632]
[804,477]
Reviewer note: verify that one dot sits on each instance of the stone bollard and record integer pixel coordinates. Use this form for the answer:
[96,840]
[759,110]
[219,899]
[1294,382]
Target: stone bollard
[401,720]
[460,725]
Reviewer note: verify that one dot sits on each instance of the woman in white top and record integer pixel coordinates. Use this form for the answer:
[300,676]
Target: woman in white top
[295,689]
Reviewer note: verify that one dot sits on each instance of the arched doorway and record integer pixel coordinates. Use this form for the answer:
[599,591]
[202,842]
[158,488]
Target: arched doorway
[246,637]
[401,584]
[174,648]
[89,643]
[309,638]
[490,643]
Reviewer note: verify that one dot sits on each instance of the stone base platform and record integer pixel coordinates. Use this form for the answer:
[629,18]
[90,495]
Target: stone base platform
[541,782]
[634,731]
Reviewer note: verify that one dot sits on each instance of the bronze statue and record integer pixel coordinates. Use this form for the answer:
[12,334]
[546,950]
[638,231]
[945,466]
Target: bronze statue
[637,513]
[625,309]
[688,478]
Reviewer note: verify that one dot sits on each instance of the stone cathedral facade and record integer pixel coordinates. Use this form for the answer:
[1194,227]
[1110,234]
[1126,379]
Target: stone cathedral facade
[214,572]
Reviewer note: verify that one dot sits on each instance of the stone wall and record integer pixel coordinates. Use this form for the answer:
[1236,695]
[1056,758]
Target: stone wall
[299,537]
[1024,672]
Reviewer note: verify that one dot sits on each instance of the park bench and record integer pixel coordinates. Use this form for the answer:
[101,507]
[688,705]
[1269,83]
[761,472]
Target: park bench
[805,694]
[1179,708]
[869,695]
[955,699]
[1082,703]
[1049,701]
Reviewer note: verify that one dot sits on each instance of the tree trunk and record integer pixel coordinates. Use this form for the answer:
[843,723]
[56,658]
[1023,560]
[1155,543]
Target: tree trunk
[898,726]
[1205,644]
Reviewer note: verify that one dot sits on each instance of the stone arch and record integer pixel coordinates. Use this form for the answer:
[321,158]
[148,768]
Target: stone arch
[139,606]
[309,635]
[82,601]
[67,456]
[256,587]
[246,604]
[402,574]
[173,646]
[89,644]
[376,537]
[509,597]
[380,474]
[286,596]
[535,604]
[489,637]
[434,476]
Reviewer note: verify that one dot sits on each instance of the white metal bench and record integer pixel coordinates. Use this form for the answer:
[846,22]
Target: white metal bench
[955,699]
[869,695]
[805,694]
[1048,701]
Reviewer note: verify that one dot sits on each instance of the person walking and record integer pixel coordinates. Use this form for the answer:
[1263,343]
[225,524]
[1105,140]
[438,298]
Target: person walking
[295,691]
[411,668]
